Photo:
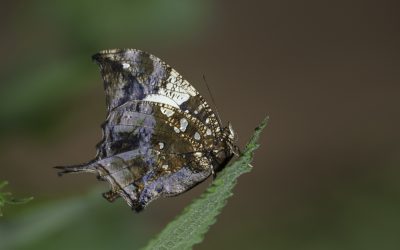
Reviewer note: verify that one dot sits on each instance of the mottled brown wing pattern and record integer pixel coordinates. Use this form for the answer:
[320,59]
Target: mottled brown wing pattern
[142,177]
[130,122]
[137,75]
[160,138]
[147,127]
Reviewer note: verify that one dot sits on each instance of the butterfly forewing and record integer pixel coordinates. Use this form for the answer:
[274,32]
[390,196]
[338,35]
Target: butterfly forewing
[137,75]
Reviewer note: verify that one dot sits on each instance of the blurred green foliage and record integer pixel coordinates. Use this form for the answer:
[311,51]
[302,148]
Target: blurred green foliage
[6,197]
[85,222]
[55,65]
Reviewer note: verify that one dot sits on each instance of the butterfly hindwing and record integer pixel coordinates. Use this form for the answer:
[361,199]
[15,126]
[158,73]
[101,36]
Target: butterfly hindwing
[140,177]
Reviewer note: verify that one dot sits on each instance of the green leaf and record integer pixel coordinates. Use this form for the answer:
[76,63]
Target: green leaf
[38,85]
[190,227]
[5,197]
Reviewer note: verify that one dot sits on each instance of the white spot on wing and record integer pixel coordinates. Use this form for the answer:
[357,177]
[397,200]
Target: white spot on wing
[176,130]
[165,167]
[174,96]
[198,154]
[167,112]
[184,124]
[161,99]
[161,144]
[197,136]
[208,132]
[126,65]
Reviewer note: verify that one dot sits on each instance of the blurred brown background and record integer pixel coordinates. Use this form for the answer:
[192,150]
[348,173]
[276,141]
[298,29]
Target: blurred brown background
[326,72]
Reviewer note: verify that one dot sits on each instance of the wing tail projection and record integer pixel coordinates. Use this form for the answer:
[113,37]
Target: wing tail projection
[79,168]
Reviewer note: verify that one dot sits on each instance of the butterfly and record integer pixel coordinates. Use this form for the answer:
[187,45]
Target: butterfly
[160,138]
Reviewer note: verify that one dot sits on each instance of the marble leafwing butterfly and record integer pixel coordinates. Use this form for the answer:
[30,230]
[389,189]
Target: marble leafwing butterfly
[160,138]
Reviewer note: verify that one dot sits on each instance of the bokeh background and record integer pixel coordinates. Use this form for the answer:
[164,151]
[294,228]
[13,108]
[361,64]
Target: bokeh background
[326,72]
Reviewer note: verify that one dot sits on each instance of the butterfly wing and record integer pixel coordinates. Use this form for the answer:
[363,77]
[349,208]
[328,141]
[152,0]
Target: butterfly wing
[158,133]
[130,74]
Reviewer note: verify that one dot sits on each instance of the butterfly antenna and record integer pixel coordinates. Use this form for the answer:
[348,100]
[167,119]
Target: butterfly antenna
[212,99]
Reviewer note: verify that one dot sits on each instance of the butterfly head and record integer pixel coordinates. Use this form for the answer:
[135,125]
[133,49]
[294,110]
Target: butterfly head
[231,139]
[229,134]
